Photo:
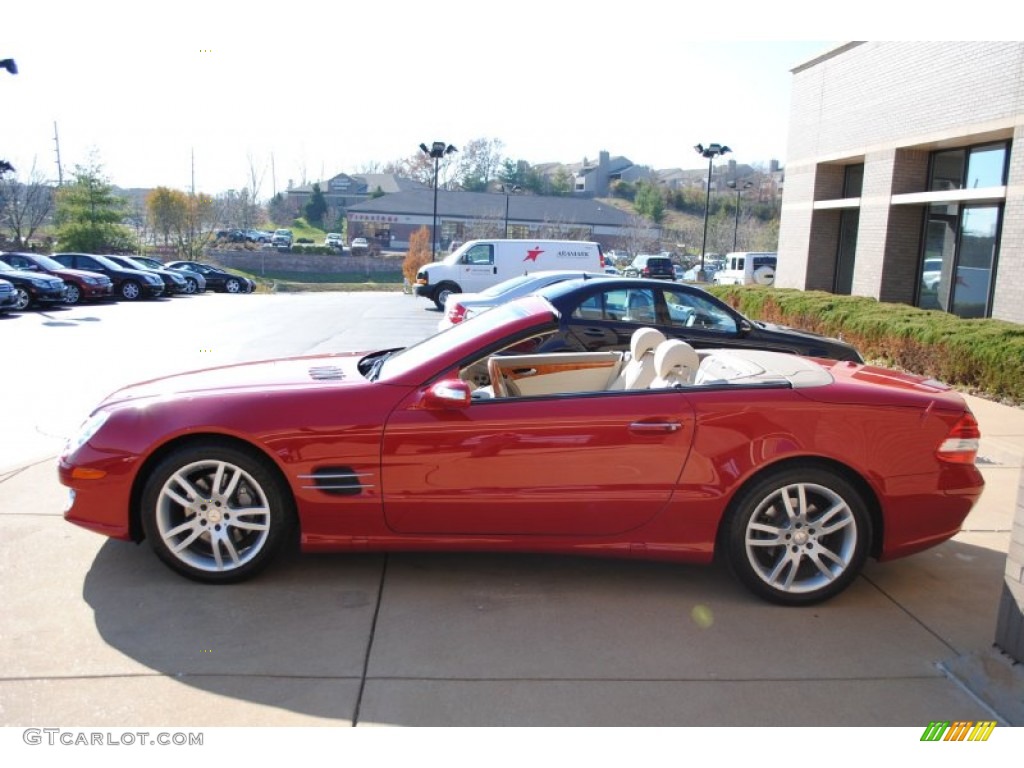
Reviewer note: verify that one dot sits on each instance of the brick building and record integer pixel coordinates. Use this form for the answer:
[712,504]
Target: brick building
[902,181]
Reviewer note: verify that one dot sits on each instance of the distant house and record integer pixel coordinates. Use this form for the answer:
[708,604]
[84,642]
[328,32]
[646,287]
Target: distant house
[345,190]
[392,219]
[595,179]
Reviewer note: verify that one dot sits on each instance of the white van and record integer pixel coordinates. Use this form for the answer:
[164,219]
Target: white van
[479,264]
[748,268]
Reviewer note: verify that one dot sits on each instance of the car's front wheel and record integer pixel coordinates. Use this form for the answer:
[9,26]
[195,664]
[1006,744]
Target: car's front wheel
[444,290]
[130,290]
[799,536]
[73,295]
[191,285]
[215,513]
[233,285]
[23,299]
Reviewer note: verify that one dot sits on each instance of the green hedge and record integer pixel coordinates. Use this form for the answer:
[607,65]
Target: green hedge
[983,356]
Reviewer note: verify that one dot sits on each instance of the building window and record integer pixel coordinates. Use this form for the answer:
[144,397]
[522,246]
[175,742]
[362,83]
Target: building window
[961,241]
[969,168]
[853,180]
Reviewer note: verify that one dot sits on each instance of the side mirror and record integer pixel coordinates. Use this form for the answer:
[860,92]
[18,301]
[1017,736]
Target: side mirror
[745,327]
[447,395]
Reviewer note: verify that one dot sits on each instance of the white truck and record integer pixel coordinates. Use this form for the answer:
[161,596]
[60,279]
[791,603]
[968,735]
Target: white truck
[748,268]
[479,264]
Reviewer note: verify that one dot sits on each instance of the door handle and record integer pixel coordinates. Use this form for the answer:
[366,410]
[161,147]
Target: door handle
[655,426]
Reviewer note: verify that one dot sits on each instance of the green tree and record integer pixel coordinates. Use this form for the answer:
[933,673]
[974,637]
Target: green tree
[89,215]
[561,183]
[316,207]
[650,202]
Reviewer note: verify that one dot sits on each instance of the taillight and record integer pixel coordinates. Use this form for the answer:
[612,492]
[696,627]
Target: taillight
[647,272]
[961,444]
[456,314]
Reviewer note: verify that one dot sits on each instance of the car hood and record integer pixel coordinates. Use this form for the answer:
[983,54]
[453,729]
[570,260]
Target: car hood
[80,273]
[316,371]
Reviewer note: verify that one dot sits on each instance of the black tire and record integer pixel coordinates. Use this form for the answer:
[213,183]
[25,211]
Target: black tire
[131,290]
[443,291]
[215,513]
[777,541]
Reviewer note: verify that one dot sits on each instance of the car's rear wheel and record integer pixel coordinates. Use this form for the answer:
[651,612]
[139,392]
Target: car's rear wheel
[130,290]
[73,294]
[215,513]
[799,536]
[444,290]
[233,285]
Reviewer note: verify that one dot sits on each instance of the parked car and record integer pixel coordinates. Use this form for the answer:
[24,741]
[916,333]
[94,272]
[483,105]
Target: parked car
[217,279]
[461,306]
[359,242]
[646,265]
[602,315]
[334,240]
[194,282]
[282,238]
[129,283]
[678,272]
[8,296]
[793,469]
[257,236]
[231,235]
[33,288]
[81,284]
[174,283]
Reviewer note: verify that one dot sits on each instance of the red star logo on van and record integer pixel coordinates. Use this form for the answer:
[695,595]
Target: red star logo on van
[532,254]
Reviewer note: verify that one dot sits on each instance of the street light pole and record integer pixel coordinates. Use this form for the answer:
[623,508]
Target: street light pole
[732,184]
[509,191]
[437,150]
[710,152]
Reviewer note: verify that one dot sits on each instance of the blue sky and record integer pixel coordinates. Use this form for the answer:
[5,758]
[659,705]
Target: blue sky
[312,89]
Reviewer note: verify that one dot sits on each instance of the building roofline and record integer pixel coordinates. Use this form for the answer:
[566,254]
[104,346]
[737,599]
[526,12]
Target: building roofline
[825,55]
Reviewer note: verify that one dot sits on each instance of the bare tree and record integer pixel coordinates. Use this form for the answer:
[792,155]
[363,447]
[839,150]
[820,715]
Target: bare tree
[24,205]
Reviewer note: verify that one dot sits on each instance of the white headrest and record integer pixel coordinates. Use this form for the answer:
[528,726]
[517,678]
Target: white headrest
[644,340]
[676,362]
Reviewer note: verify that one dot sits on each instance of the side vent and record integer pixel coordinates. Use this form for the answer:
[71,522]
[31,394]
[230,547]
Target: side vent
[337,481]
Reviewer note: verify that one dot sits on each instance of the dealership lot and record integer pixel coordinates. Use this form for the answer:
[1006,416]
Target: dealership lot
[97,632]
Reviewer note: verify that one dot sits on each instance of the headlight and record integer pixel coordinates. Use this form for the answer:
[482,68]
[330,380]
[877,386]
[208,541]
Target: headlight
[154,280]
[40,283]
[85,432]
[91,280]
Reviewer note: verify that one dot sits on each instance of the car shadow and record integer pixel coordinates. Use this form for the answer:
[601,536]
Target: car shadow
[314,631]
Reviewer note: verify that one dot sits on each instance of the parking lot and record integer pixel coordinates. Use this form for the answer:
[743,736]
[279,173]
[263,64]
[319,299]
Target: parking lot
[97,632]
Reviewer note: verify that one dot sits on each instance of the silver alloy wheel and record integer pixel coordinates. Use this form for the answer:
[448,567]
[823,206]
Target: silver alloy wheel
[232,286]
[73,295]
[23,298]
[191,286]
[212,515]
[801,538]
[130,290]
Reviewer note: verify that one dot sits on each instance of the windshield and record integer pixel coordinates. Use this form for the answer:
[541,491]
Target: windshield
[508,285]
[5,267]
[403,361]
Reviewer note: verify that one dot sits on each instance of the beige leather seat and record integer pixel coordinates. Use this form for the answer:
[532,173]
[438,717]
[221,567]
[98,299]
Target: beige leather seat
[639,370]
[676,363]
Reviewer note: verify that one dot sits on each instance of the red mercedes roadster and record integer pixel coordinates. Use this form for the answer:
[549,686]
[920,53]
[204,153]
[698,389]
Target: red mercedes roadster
[794,469]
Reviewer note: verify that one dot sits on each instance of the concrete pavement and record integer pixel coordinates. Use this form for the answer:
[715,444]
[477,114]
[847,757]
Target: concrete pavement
[98,633]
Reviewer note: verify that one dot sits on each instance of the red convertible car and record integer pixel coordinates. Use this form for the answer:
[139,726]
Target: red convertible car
[795,469]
